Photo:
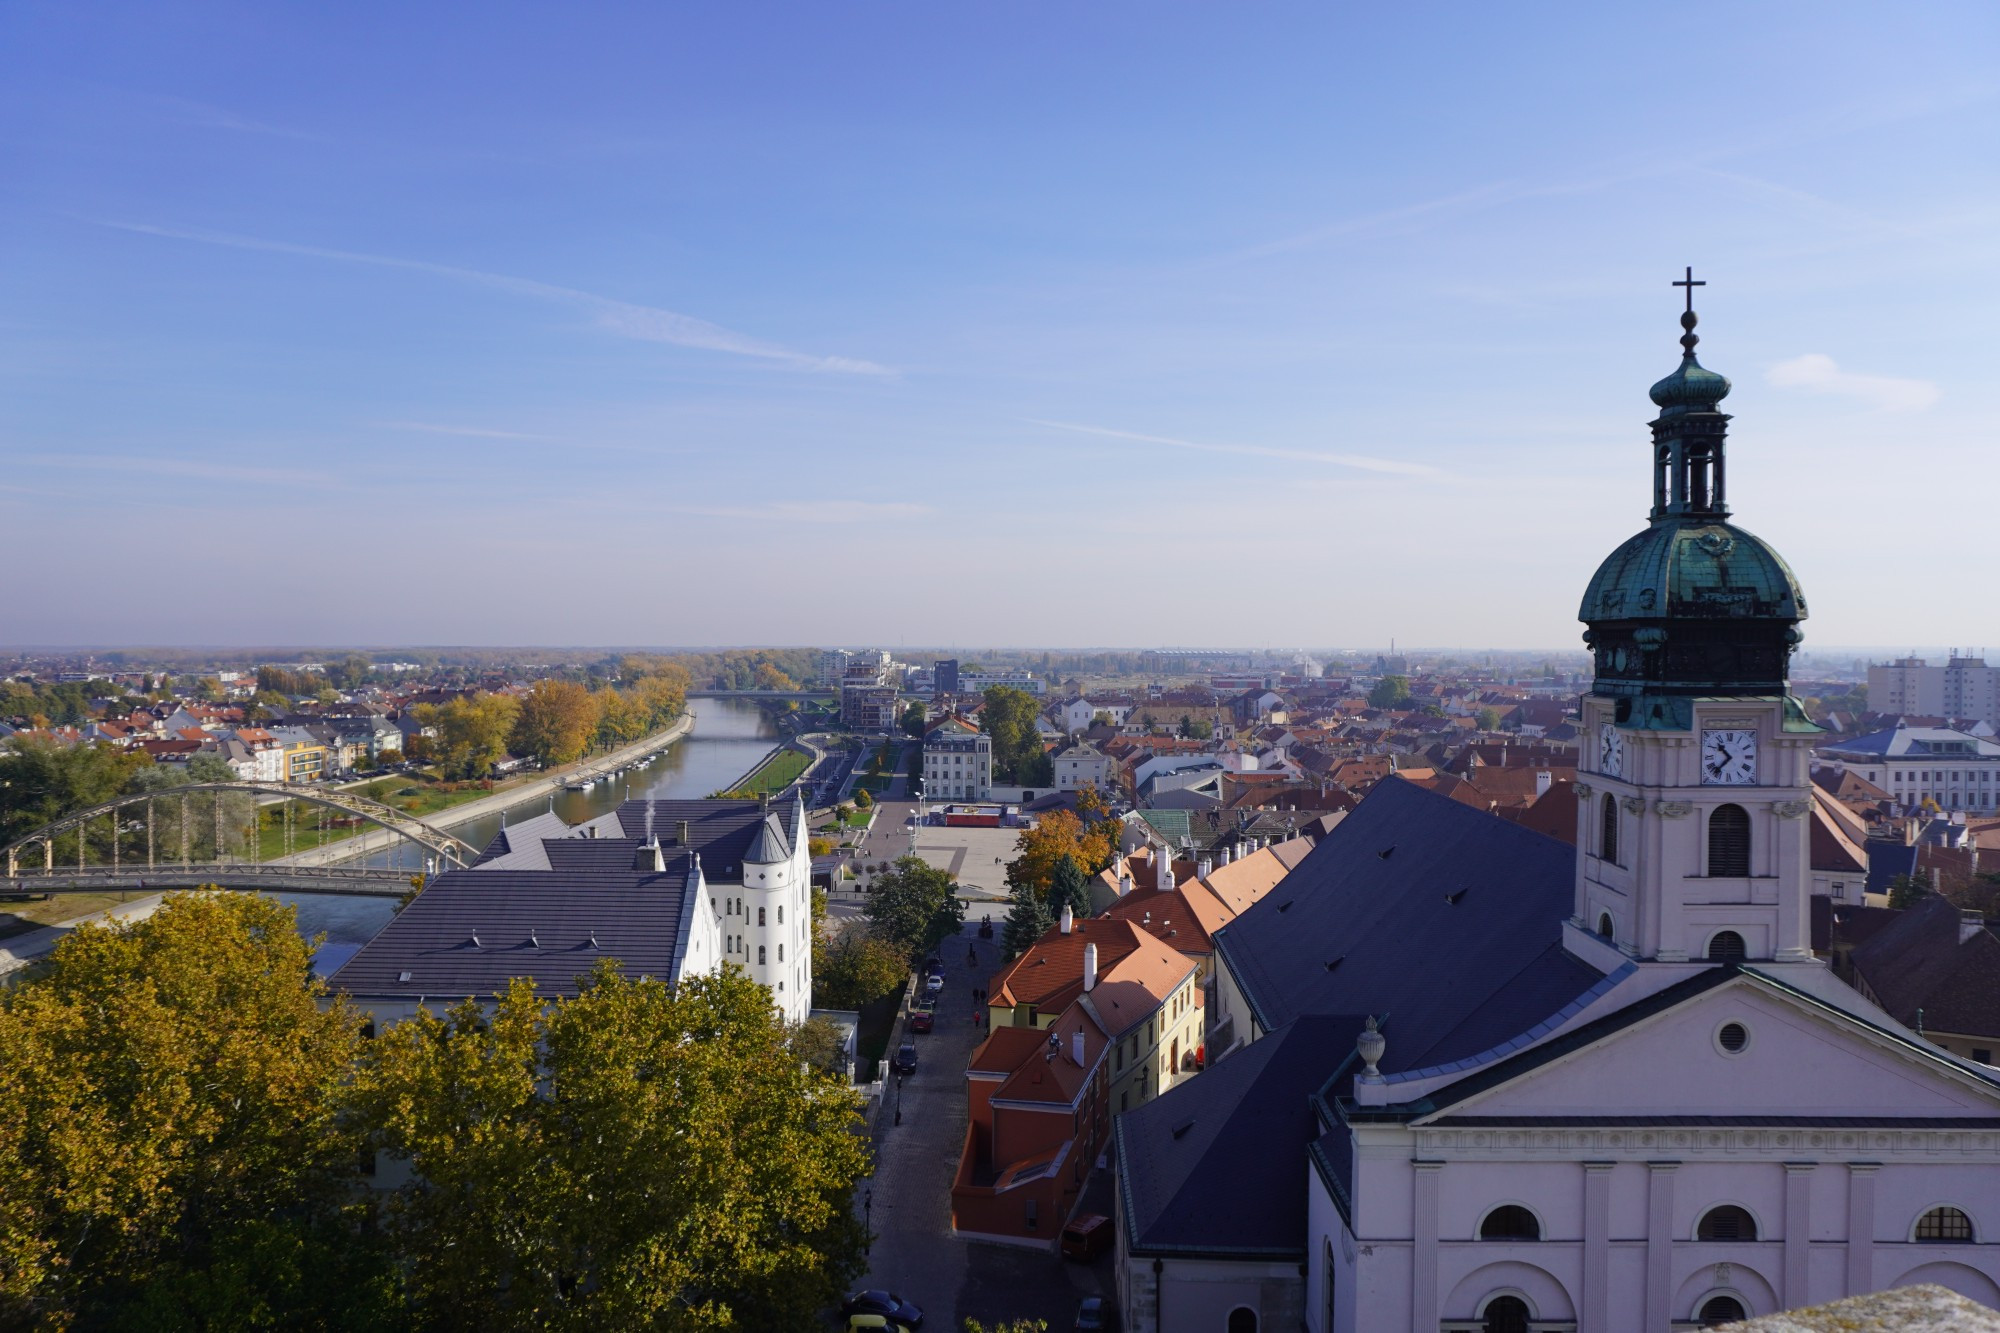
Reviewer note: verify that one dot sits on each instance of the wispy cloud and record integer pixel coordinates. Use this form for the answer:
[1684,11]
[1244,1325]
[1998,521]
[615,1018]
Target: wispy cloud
[176,467]
[811,511]
[475,432]
[623,318]
[1361,461]
[1818,373]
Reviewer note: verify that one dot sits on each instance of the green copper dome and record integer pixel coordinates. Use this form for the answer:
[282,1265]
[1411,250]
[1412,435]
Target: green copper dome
[1692,569]
[1692,388]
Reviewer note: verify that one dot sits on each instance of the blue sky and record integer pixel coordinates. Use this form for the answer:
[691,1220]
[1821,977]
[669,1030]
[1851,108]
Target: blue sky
[1026,323]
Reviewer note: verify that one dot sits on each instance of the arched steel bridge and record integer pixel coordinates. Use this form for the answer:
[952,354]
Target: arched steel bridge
[167,839]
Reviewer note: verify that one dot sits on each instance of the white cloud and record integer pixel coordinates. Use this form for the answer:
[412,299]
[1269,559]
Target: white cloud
[644,323]
[1361,461]
[178,467]
[1818,373]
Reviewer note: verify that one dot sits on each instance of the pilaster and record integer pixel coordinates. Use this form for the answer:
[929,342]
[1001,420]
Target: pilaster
[1424,1247]
[1660,1243]
[1861,1227]
[1597,1244]
[1798,1232]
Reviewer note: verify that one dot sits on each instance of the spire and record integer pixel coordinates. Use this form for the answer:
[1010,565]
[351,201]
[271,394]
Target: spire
[1688,434]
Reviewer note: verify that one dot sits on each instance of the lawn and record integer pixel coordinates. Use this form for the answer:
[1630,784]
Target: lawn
[778,772]
[18,918]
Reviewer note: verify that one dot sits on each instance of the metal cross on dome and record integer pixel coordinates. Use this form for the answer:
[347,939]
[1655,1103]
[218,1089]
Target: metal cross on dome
[1690,282]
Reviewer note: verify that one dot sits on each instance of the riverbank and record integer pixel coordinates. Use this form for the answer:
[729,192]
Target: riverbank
[542,784]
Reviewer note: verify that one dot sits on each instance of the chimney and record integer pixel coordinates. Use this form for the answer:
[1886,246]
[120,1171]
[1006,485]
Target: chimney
[1089,967]
[1165,881]
[1225,853]
[1068,920]
[1970,923]
[1124,882]
[1204,868]
[684,833]
[1543,781]
[648,858]
[1076,1048]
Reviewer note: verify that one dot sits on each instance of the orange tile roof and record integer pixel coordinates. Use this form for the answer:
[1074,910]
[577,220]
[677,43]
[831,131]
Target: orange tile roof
[1049,975]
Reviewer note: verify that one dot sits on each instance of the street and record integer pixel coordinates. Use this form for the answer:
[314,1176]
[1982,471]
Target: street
[908,1200]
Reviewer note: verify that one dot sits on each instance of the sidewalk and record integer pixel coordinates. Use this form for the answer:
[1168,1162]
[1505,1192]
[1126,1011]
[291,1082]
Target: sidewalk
[17,951]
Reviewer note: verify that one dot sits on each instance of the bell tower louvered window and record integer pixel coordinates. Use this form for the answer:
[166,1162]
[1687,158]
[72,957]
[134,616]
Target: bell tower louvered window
[1729,842]
[1607,842]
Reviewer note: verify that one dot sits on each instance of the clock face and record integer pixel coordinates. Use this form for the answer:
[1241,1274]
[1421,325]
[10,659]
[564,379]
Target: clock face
[1610,750]
[1728,757]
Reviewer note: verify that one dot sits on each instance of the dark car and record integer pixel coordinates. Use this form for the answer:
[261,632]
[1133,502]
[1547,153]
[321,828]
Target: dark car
[906,1058]
[1094,1315]
[922,1020]
[885,1303]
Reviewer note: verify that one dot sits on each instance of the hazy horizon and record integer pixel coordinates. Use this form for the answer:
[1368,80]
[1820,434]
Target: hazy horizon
[1028,323]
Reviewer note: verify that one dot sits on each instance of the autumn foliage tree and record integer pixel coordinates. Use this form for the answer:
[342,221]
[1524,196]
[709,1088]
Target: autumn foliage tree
[170,1127]
[473,732]
[1061,834]
[566,1209]
[557,723]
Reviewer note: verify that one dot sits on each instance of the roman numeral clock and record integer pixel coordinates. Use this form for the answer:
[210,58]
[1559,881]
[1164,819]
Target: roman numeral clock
[1728,757]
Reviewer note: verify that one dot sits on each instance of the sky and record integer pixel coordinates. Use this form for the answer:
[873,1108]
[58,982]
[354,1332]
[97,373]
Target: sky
[1026,323]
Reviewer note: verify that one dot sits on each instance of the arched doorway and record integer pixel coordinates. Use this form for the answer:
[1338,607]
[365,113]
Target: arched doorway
[1505,1314]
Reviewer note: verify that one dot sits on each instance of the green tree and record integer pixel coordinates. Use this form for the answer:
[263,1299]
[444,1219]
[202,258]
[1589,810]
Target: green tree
[915,907]
[1390,692]
[1907,891]
[862,799]
[914,718]
[169,1117]
[1489,719]
[1018,756]
[856,968]
[560,1209]
[1069,888]
[43,780]
[1028,919]
[473,731]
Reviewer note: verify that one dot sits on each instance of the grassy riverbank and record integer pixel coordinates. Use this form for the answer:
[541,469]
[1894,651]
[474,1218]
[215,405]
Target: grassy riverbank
[775,774]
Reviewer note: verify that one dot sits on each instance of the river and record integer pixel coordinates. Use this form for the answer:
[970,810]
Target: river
[730,735]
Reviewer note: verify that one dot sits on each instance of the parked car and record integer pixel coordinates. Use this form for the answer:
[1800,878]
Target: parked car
[906,1058]
[932,985]
[1094,1316]
[922,1020]
[883,1305]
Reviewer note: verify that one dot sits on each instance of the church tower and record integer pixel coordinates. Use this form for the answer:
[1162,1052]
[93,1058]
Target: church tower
[1694,788]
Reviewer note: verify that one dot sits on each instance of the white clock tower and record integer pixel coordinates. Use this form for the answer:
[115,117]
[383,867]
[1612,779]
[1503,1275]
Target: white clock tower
[1694,795]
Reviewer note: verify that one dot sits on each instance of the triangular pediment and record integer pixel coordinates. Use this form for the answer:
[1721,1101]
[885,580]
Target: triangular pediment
[1798,1058]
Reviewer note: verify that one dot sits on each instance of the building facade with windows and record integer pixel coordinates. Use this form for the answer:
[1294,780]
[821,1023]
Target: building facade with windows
[1918,764]
[1607,1088]
[958,762]
[1964,689]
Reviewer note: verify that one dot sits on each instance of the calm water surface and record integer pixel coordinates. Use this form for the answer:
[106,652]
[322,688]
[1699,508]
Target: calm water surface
[729,737]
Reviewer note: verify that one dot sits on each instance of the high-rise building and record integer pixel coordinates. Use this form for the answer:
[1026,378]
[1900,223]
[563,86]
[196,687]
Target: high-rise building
[1964,689]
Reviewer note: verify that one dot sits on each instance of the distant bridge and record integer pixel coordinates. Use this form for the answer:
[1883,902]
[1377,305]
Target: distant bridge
[801,695]
[216,833]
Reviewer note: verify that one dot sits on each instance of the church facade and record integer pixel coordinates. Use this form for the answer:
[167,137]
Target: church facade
[1478,1080]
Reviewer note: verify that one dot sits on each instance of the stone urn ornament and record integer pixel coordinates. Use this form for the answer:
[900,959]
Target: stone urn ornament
[1370,1045]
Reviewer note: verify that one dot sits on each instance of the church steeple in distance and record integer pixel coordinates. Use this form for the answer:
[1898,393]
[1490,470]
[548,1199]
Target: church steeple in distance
[1693,606]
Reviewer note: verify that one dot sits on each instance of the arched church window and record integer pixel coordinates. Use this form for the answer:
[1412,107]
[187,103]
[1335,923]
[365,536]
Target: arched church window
[1718,1310]
[1607,840]
[1727,1222]
[1505,1314]
[760,955]
[1243,1319]
[1945,1226]
[1604,927]
[1510,1221]
[1729,842]
[760,916]
[1727,947]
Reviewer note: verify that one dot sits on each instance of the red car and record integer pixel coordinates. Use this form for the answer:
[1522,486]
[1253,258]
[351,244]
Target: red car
[921,1020]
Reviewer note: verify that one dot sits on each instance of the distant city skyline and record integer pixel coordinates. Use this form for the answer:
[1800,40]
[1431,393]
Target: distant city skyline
[1021,325]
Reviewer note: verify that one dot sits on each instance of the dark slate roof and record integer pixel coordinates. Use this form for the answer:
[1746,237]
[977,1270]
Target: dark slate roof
[1212,1167]
[1374,899]
[771,847]
[635,918]
[721,831]
[1919,962]
[570,856]
[1888,859]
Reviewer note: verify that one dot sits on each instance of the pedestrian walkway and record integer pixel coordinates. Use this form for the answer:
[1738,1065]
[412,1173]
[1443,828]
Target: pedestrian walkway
[18,951]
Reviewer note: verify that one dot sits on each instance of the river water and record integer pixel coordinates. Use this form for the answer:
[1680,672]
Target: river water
[729,737]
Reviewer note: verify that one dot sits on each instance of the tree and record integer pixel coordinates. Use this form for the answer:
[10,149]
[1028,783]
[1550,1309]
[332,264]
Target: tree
[1907,891]
[1028,919]
[863,800]
[1068,888]
[1018,757]
[564,1209]
[662,696]
[820,1042]
[769,677]
[1090,802]
[557,723]
[473,730]
[819,846]
[620,718]
[914,718]
[1489,719]
[169,1116]
[915,907]
[1390,692]
[856,968]
[43,780]
[1060,834]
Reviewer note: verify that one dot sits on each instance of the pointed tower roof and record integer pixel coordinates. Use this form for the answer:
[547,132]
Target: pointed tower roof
[772,847]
